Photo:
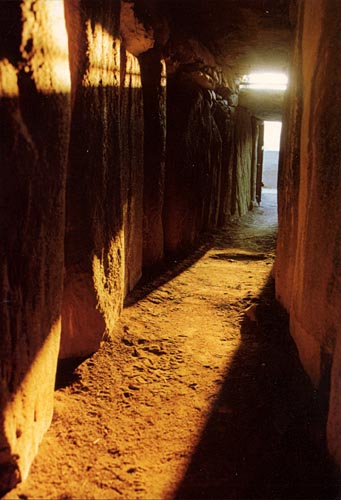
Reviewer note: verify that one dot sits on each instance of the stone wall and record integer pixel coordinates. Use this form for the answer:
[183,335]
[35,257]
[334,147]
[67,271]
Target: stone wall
[208,162]
[193,165]
[308,278]
[91,195]
[242,163]
[132,165]
[94,248]
[154,100]
[35,123]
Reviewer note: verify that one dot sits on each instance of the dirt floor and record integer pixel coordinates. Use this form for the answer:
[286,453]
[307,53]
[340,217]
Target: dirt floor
[199,394]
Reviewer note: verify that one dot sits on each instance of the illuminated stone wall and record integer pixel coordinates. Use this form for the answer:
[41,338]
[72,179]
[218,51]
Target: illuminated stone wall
[72,194]
[100,178]
[132,165]
[35,124]
[94,246]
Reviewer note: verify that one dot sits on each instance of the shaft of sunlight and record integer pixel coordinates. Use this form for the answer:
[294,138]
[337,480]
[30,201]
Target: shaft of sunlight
[265,81]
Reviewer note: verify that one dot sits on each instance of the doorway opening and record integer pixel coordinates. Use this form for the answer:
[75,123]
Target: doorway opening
[272,135]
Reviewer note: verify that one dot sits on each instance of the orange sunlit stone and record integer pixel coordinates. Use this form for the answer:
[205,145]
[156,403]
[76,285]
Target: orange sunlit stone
[132,76]
[104,58]
[45,45]
[8,79]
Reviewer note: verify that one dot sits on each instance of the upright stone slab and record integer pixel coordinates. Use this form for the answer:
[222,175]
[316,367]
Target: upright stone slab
[131,135]
[154,96]
[94,252]
[253,177]
[308,277]
[35,120]
[260,161]
[193,166]
[242,153]
[223,119]
[210,161]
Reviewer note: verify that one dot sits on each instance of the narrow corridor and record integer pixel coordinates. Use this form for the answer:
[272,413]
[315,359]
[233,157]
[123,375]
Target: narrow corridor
[197,395]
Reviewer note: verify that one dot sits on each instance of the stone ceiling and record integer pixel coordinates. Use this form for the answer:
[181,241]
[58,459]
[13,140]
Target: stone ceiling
[242,35]
[265,104]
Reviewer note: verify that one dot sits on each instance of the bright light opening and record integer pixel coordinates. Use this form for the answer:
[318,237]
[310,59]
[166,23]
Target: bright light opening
[265,81]
[272,135]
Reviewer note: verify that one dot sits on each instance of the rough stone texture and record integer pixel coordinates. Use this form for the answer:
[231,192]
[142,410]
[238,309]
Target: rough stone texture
[241,175]
[190,55]
[116,207]
[309,252]
[264,104]
[209,158]
[154,97]
[35,119]
[192,167]
[260,157]
[137,38]
[253,174]
[222,117]
[240,139]
[131,133]
[242,35]
[94,250]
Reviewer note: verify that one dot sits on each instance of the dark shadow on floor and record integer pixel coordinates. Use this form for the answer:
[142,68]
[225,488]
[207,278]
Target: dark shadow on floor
[265,436]
[239,256]
[66,371]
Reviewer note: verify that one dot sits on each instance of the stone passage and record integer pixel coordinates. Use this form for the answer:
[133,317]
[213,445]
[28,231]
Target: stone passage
[199,395]
[125,137]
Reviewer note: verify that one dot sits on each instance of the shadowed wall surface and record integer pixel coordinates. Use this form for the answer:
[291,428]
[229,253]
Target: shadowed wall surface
[309,252]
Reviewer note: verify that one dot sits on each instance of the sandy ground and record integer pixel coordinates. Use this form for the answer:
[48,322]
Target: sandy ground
[199,393]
